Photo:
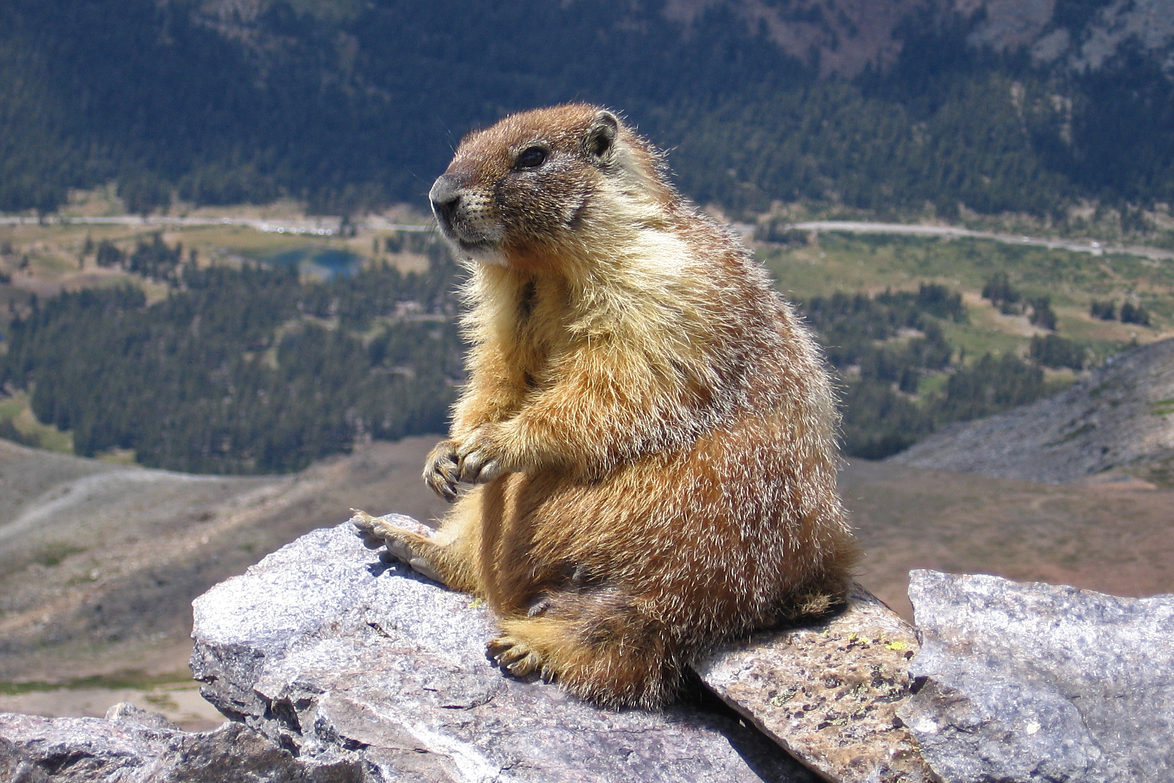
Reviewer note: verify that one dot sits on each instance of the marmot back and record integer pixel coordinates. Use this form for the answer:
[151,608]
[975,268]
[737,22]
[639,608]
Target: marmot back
[647,428]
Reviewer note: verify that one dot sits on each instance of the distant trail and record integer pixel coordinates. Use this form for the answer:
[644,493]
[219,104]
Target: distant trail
[951,232]
[71,498]
[325,227]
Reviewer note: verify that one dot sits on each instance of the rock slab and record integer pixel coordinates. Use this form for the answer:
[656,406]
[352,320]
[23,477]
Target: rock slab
[134,746]
[342,658]
[1034,682]
[829,692]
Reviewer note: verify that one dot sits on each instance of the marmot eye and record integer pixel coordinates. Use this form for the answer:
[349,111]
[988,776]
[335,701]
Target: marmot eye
[531,158]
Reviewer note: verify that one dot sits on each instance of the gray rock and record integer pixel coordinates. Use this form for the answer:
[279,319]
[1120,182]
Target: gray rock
[829,692]
[135,749]
[125,711]
[341,657]
[16,766]
[1034,682]
[1144,24]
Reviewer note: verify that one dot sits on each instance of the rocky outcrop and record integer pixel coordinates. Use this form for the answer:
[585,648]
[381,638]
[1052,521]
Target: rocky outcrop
[1119,418]
[338,655]
[1034,682]
[342,658]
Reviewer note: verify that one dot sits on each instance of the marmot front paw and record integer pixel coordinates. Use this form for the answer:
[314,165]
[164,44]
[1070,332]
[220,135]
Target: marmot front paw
[442,470]
[479,458]
[474,461]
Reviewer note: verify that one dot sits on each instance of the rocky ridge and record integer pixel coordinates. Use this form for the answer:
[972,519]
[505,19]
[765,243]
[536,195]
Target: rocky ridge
[1118,421]
[843,38]
[850,36]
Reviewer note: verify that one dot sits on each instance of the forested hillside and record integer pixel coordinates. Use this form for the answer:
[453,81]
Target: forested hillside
[352,104]
[246,370]
[254,369]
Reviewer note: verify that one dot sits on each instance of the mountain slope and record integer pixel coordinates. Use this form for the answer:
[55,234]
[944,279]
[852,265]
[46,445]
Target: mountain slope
[1115,537]
[991,103]
[1120,420]
[99,563]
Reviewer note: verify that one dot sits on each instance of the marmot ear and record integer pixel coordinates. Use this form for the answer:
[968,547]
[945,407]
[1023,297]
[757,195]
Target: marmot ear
[601,139]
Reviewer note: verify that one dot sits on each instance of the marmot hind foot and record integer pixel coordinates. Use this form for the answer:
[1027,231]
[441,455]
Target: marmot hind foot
[516,657]
[402,545]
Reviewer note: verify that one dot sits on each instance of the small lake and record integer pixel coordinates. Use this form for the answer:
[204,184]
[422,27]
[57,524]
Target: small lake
[321,262]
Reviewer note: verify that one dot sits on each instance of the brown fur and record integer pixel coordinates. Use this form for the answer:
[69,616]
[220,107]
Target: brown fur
[648,428]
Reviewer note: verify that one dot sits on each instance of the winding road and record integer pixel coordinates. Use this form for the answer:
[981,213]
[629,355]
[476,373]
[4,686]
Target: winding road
[330,226]
[952,232]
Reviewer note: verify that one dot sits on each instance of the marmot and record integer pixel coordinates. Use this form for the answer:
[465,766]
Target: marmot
[649,428]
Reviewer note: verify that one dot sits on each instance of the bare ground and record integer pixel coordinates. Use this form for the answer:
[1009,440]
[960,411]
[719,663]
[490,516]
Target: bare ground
[99,563]
[1115,537]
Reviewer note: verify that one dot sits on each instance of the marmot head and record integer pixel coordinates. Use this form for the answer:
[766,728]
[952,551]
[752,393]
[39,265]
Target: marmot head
[537,184]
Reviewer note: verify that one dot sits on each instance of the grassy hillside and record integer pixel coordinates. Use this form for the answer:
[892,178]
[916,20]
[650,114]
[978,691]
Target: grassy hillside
[917,345]
[1073,280]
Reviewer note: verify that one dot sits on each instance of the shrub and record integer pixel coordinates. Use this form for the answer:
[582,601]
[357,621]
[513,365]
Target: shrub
[1053,350]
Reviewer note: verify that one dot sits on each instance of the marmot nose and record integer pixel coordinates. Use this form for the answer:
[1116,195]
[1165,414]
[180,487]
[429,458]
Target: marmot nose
[444,197]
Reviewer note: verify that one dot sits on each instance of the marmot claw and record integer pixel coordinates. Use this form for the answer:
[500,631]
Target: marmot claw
[442,470]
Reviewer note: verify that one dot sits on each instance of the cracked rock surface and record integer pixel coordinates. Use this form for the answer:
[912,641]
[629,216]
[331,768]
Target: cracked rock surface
[1037,682]
[342,658]
[829,692]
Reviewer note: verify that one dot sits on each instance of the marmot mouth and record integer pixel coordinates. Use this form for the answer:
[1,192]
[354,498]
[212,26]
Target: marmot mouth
[482,250]
[479,247]
[459,236]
